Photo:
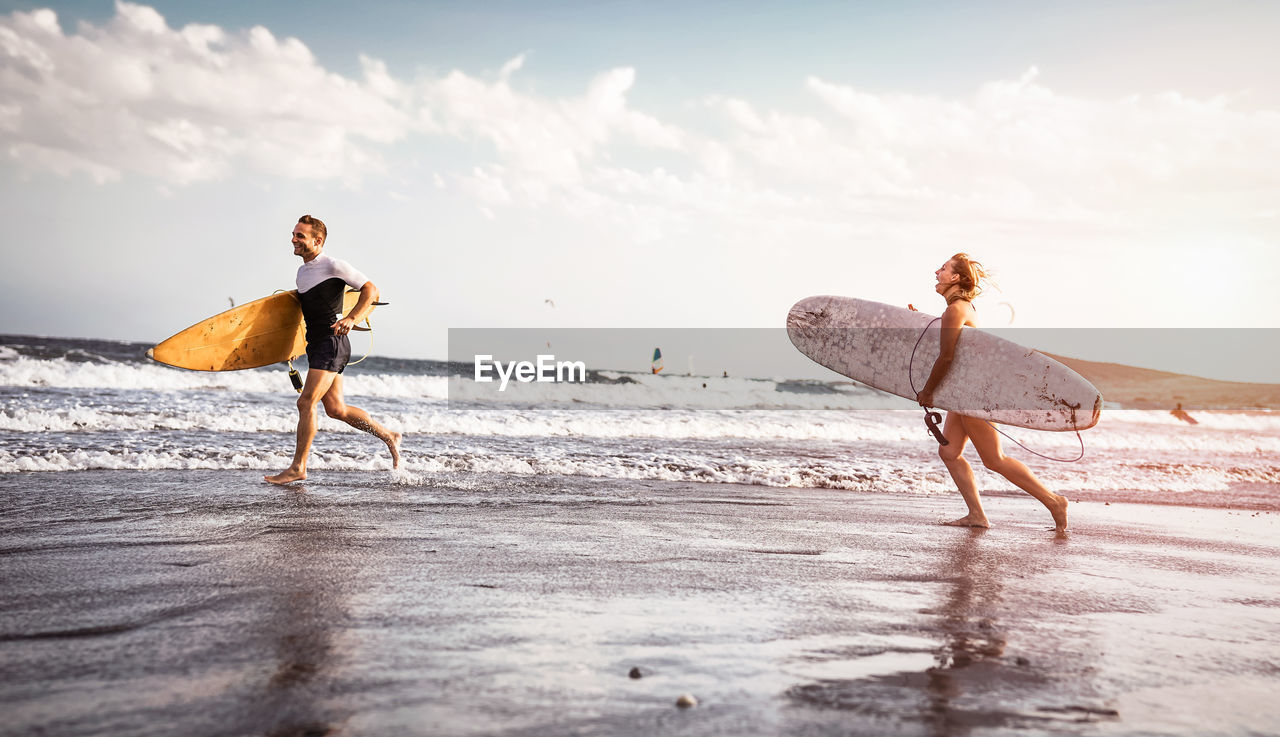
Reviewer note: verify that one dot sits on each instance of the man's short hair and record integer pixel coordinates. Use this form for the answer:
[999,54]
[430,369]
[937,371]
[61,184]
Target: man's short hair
[317,226]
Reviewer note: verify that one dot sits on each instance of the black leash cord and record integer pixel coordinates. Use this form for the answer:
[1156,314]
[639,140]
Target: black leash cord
[931,419]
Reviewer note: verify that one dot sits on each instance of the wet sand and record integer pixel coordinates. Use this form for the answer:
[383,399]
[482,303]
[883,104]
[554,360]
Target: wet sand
[206,603]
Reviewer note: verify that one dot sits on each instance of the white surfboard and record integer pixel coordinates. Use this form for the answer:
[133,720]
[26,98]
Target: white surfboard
[991,378]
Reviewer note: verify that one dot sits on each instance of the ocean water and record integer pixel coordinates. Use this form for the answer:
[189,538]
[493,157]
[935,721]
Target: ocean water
[73,405]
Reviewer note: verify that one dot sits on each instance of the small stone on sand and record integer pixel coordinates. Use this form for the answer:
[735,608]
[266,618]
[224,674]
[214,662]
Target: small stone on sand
[686,701]
[635,673]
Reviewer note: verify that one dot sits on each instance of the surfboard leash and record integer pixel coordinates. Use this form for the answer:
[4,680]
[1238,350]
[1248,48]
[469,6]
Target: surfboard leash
[1042,455]
[368,321]
[932,418]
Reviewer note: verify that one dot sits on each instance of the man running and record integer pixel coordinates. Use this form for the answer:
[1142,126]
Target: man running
[322,280]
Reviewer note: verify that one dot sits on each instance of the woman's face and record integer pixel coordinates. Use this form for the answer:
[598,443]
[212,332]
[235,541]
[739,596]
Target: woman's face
[946,276]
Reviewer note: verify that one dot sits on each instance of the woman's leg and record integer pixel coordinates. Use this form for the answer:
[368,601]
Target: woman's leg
[987,441]
[961,472]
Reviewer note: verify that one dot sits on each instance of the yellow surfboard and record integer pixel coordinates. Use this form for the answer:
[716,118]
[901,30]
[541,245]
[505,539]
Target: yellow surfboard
[258,333]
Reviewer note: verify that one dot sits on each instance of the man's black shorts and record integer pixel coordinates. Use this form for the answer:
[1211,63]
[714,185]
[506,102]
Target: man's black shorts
[329,354]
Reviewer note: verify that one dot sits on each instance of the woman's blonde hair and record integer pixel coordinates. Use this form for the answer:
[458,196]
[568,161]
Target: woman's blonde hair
[972,275]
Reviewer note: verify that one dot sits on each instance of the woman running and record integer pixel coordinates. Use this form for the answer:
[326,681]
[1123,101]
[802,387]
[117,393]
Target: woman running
[959,281]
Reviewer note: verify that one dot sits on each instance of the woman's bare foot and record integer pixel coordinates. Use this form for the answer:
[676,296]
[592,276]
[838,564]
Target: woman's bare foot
[287,476]
[393,445]
[970,520]
[1058,508]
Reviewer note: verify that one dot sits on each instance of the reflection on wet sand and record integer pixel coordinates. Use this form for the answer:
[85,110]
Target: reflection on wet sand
[308,577]
[971,627]
[970,684]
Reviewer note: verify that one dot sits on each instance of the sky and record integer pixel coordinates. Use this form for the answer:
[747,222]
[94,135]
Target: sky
[646,165]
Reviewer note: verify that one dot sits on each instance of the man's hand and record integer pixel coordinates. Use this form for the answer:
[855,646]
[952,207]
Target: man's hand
[343,326]
[925,398]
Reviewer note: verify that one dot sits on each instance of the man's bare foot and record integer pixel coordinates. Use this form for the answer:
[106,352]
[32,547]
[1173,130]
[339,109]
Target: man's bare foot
[287,476]
[970,520]
[1058,508]
[394,446]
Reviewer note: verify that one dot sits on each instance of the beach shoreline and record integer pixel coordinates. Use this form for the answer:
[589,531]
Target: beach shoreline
[204,603]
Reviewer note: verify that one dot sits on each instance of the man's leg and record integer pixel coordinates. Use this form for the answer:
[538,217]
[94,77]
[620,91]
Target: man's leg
[318,385]
[336,408]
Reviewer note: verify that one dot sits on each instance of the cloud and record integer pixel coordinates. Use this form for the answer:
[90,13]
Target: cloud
[184,105]
[544,142]
[1015,156]
[1019,150]
[135,97]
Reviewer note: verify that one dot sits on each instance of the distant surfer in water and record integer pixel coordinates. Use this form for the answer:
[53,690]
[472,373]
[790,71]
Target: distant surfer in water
[1181,414]
[959,281]
[322,280]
